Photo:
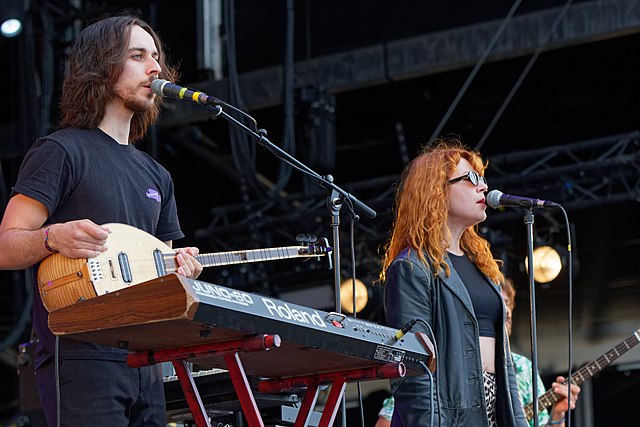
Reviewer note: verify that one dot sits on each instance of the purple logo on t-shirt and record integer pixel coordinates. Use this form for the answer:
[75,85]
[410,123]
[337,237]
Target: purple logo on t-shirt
[153,194]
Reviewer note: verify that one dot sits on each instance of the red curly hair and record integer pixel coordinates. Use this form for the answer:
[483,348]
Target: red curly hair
[95,62]
[422,205]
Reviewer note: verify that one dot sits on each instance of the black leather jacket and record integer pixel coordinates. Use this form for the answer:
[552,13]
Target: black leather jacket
[413,291]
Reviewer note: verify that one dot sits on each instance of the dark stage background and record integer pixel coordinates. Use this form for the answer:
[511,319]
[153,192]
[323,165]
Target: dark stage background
[548,93]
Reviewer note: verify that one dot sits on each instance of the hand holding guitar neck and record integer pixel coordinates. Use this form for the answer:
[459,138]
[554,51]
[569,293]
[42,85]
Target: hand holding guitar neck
[586,372]
[187,261]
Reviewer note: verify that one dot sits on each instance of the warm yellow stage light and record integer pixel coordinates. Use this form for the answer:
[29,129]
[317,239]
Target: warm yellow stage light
[346,296]
[546,264]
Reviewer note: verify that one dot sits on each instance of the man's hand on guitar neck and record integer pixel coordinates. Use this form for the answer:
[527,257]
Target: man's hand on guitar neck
[561,406]
[78,239]
[188,265]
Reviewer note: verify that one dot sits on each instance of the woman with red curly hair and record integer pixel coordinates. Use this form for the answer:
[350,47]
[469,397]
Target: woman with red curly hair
[439,271]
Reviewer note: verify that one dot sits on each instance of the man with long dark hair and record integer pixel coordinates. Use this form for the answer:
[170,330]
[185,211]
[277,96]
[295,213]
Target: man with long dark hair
[85,174]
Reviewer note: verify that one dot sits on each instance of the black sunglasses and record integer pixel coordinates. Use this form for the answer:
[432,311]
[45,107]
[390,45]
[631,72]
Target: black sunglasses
[471,176]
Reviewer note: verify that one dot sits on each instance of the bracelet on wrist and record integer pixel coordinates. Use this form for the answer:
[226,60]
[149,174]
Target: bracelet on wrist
[555,423]
[46,241]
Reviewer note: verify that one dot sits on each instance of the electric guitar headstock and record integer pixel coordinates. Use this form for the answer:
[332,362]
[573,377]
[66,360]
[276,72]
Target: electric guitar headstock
[315,246]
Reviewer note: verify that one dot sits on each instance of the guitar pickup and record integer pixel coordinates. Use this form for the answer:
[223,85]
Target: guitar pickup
[125,268]
[158,258]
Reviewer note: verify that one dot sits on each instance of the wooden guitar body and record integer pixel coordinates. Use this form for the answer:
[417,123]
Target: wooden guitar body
[129,260]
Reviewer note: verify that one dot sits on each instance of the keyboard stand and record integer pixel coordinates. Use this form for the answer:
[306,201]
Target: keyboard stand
[338,381]
[230,349]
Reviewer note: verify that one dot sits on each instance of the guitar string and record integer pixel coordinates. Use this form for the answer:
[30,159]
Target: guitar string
[232,257]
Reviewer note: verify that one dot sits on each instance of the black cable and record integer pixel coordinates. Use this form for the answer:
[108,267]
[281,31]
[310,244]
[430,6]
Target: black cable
[570,312]
[431,414]
[435,356]
[56,369]
[353,263]
[405,329]
[352,234]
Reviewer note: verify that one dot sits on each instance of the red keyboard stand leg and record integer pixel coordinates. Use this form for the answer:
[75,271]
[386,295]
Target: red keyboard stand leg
[229,350]
[191,394]
[308,403]
[333,402]
[338,382]
[243,389]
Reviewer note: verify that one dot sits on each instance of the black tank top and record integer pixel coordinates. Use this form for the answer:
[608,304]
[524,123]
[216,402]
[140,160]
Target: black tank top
[486,304]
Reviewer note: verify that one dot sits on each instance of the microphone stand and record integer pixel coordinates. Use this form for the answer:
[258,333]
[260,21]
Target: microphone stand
[335,200]
[335,203]
[528,220]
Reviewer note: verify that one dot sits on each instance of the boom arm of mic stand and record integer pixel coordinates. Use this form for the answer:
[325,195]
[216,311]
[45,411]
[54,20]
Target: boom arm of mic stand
[284,156]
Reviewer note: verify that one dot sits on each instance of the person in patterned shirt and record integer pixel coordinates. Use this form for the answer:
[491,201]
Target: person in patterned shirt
[386,412]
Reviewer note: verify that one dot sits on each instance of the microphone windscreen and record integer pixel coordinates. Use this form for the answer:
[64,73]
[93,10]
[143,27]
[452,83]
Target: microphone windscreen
[157,85]
[493,198]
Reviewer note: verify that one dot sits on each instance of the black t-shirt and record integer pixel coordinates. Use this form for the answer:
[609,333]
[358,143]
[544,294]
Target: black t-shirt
[84,173]
[487,305]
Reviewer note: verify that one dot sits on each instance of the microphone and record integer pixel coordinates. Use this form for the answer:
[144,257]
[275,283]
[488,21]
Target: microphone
[163,87]
[496,198]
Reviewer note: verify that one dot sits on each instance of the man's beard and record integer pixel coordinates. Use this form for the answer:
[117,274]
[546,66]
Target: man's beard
[134,102]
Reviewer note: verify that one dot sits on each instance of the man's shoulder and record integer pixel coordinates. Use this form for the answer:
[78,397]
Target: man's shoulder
[67,138]
[66,135]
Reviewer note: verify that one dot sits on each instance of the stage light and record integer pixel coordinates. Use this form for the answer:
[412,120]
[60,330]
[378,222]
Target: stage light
[547,264]
[11,17]
[11,27]
[346,296]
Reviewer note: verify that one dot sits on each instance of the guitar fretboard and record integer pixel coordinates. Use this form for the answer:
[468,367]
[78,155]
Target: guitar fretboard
[255,255]
[586,372]
[252,255]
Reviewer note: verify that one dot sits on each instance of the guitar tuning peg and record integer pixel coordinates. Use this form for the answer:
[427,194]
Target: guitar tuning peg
[306,238]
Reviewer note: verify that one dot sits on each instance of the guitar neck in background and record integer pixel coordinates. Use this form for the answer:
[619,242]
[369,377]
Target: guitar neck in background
[586,372]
